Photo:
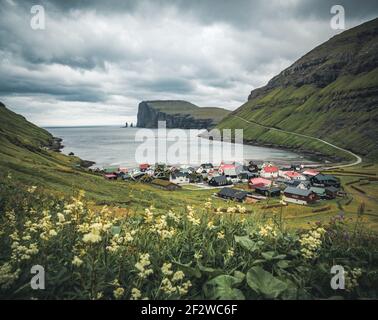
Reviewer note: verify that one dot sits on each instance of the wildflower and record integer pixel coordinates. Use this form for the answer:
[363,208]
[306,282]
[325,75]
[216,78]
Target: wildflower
[135,294]
[191,218]
[208,205]
[31,189]
[184,288]
[197,255]
[148,216]
[142,265]
[61,217]
[167,287]
[210,225]
[118,293]
[178,275]
[166,269]
[268,231]
[311,243]
[220,235]
[351,279]
[77,262]
[52,233]
[7,276]
[92,238]
[231,210]
[241,209]
[230,252]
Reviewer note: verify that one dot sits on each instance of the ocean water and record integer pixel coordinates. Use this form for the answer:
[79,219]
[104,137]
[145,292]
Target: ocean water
[126,147]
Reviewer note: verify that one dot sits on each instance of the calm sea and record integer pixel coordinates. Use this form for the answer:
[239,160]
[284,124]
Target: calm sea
[116,146]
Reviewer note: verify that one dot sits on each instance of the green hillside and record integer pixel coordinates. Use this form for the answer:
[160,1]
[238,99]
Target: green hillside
[25,160]
[330,93]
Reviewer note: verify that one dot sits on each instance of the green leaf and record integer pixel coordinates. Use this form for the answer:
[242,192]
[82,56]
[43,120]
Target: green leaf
[186,267]
[283,264]
[222,288]
[264,283]
[246,243]
[268,255]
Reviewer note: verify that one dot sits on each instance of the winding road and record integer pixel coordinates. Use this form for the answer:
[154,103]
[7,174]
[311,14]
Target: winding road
[358,158]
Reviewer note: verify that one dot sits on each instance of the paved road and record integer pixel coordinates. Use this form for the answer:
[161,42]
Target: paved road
[358,158]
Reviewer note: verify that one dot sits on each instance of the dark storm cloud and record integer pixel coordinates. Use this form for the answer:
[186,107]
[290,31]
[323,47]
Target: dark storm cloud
[99,56]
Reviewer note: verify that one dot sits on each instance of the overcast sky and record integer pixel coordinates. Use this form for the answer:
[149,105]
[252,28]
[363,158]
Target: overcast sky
[96,60]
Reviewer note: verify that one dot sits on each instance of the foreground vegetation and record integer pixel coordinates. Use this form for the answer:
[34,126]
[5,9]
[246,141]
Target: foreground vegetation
[192,252]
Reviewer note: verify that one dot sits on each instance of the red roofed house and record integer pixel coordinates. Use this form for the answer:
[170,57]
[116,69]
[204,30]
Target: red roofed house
[259,182]
[269,171]
[310,172]
[292,175]
[225,166]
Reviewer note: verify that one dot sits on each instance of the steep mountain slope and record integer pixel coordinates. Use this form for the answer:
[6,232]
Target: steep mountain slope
[330,93]
[178,114]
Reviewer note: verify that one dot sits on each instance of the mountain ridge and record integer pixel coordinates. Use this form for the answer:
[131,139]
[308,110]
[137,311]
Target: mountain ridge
[178,114]
[330,93]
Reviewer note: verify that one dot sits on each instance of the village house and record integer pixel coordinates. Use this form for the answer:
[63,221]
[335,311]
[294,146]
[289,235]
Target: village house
[219,181]
[232,194]
[320,192]
[325,180]
[298,196]
[179,177]
[310,172]
[332,192]
[245,176]
[165,185]
[291,175]
[268,192]
[269,171]
[259,182]
[304,185]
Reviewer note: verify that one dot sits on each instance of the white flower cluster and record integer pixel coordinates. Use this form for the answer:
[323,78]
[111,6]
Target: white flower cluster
[173,281]
[143,265]
[191,216]
[351,278]
[311,242]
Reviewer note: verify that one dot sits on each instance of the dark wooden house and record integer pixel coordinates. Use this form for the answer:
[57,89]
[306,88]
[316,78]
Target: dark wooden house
[299,196]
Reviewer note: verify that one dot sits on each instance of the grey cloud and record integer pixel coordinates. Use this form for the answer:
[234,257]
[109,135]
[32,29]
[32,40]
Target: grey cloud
[96,56]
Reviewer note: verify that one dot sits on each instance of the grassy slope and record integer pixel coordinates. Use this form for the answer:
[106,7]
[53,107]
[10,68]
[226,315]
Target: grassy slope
[184,107]
[339,112]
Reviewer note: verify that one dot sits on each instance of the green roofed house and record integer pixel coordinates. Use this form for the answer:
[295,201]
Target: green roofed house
[320,192]
[165,184]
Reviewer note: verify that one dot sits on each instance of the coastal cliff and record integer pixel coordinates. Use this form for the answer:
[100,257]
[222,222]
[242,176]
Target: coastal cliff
[178,114]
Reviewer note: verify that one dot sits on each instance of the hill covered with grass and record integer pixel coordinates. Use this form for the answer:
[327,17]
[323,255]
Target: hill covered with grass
[330,93]
[178,114]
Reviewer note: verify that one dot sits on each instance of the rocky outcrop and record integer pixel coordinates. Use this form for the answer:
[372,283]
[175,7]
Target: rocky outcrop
[178,114]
